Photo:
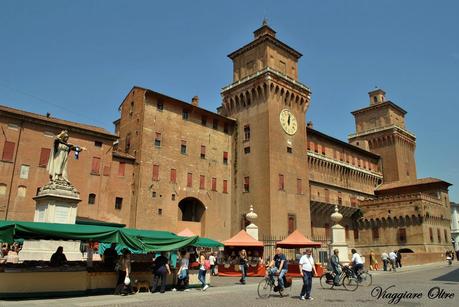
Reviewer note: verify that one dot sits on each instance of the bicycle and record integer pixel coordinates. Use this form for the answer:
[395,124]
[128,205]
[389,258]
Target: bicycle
[347,279]
[364,278]
[267,285]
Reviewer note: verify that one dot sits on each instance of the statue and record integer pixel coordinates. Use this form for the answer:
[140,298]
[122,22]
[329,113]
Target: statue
[57,163]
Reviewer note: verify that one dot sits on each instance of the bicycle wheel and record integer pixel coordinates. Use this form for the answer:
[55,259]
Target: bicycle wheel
[324,284]
[366,279]
[286,291]
[264,288]
[350,283]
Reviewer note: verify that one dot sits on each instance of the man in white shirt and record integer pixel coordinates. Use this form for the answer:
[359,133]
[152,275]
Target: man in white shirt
[385,260]
[307,269]
[357,262]
[393,260]
[212,260]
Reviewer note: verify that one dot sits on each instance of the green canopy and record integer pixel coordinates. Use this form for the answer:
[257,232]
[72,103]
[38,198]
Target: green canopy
[206,242]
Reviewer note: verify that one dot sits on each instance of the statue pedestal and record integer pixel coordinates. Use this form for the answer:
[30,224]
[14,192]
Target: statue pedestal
[56,202]
[339,242]
[252,230]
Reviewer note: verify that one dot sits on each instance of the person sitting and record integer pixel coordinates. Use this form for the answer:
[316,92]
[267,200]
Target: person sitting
[335,266]
[279,264]
[357,263]
[58,258]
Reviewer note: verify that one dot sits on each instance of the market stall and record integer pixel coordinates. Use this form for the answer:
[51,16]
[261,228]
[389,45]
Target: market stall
[297,240]
[229,264]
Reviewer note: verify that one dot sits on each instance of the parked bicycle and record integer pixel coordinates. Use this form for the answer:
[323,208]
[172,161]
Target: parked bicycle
[347,279]
[268,285]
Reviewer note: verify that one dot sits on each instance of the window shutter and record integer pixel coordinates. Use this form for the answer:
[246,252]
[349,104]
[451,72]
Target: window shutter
[44,156]
[107,170]
[225,186]
[299,187]
[95,169]
[156,172]
[8,151]
[203,150]
[214,184]
[173,175]
[189,180]
[202,182]
[121,168]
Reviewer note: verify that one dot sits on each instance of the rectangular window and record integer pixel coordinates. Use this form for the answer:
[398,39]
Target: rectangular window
[159,106]
[44,157]
[323,149]
[91,199]
[299,186]
[334,154]
[155,176]
[446,236]
[281,182]
[431,235]
[189,180]
[158,139]
[202,182]
[375,233]
[289,149]
[203,152]
[214,184]
[95,167]
[215,124]
[185,114]
[340,198]
[316,147]
[173,176]
[225,157]
[356,233]
[183,148]
[346,231]
[327,230]
[246,184]
[247,150]
[153,194]
[225,128]
[8,151]
[291,223]
[121,168]
[24,173]
[225,186]
[97,143]
[327,196]
[127,142]
[107,170]
[204,121]
[246,132]
[438,235]
[402,235]
[118,203]
[347,157]
[310,145]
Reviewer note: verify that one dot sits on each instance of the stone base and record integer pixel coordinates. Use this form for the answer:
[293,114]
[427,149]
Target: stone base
[252,230]
[44,249]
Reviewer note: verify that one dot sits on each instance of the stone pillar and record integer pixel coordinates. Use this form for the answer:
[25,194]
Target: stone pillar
[339,237]
[56,202]
[252,229]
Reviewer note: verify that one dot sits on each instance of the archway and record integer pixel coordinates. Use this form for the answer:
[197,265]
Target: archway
[191,210]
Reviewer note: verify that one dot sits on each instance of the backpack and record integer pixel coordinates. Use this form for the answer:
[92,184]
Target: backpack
[207,264]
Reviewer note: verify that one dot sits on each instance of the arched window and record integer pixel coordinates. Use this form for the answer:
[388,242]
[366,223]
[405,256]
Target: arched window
[192,209]
[91,199]
[2,189]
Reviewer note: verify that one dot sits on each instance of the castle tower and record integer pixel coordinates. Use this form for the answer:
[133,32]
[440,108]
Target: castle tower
[269,105]
[380,128]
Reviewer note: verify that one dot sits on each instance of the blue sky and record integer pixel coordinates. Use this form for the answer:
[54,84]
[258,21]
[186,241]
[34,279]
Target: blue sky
[78,59]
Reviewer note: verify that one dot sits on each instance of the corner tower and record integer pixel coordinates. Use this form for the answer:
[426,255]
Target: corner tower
[269,105]
[380,128]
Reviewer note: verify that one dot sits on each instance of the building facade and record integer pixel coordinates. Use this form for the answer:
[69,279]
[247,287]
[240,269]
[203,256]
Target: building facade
[184,166]
[455,225]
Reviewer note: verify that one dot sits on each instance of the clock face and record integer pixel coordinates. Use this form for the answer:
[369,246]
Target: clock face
[288,122]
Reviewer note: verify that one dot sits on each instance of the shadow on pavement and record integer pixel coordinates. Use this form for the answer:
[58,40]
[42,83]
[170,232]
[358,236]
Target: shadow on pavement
[451,276]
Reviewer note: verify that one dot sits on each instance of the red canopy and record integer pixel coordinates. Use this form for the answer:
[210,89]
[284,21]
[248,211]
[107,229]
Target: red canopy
[242,238]
[297,240]
[186,233]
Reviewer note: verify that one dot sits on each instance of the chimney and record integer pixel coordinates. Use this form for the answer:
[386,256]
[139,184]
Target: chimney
[195,101]
[48,115]
[309,124]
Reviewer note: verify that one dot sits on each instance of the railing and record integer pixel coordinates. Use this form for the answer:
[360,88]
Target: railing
[267,69]
[353,135]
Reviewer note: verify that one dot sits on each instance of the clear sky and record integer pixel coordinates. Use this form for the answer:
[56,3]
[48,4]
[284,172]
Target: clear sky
[78,59]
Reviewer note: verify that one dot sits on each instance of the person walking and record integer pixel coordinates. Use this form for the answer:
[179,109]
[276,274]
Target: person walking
[243,265]
[279,264]
[307,270]
[161,271]
[212,261]
[385,260]
[182,274]
[373,262]
[124,269]
[393,260]
[335,266]
[449,257]
[202,271]
[399,259]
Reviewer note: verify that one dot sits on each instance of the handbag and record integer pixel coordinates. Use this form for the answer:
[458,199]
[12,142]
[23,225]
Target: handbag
[127,281]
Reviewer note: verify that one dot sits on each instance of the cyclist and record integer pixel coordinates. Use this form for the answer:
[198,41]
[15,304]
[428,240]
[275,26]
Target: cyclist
[335,266]
[357,263]
[279,264]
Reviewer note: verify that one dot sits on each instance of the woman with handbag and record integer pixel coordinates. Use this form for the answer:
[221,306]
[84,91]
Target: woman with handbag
[123,285]
[243,266]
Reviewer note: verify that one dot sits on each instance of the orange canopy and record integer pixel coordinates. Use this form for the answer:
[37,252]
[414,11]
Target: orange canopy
[242,238]
[186,233]
[297,240]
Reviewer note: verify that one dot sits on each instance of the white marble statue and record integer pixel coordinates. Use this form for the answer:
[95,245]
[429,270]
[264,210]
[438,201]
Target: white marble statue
[57,163]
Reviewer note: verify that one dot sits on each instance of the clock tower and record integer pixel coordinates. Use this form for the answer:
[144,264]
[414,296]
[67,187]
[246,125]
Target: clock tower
[270,161]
